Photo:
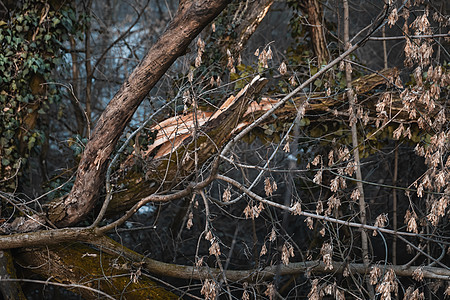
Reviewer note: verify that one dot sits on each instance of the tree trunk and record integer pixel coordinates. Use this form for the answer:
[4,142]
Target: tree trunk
[190,19]
[313,10]
[254,14]
[120,265]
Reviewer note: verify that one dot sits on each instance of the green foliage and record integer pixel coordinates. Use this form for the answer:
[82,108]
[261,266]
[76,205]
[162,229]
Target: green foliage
[59,187]
[30,42]
[77,144]
[243,75]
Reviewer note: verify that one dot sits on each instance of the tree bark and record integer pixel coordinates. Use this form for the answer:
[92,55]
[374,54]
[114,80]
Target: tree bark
[190,19]
[175,159]
[313,10]
[254,14]
[351,96]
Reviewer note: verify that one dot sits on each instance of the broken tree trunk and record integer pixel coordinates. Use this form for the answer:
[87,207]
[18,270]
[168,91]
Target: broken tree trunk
[135,186]
[190,19]
[179,146]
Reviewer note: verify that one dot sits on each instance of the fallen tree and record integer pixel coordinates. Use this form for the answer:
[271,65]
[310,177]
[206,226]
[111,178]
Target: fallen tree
[183,145]
[190,19]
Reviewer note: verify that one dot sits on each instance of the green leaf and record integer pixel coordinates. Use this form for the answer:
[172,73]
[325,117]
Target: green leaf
[5,161]
[56,21]
[234,76]
[31,142]
[318,83]
[304,122]
[9,150]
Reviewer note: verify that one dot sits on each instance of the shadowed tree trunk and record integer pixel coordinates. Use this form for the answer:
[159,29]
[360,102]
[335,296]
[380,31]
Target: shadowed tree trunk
[10,290]
[314,12]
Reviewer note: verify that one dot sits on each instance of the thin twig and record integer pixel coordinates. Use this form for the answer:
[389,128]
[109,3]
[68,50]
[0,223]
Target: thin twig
[64,285]
[394,205]
[353,121]
[425,36]
[424,253]
[315,216]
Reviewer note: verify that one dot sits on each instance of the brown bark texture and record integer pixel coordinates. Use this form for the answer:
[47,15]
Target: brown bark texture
[314,12]
[254,12]
[190,19]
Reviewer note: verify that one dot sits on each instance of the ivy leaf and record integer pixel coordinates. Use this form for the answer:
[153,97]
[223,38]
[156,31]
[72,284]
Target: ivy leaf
[5,161]
[31,142]
[56,21]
